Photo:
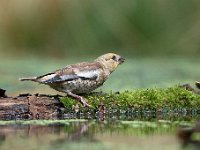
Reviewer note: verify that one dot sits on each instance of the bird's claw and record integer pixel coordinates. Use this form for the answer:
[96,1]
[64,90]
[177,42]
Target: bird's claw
[87,105]
[84,103]
[80,99]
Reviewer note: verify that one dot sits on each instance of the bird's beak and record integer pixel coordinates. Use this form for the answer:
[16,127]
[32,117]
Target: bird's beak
[121,60]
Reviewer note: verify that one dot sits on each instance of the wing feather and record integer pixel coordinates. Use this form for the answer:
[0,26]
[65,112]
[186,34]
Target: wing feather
[89,74]
[85,71]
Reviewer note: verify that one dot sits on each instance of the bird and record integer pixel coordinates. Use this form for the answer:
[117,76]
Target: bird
[80,78]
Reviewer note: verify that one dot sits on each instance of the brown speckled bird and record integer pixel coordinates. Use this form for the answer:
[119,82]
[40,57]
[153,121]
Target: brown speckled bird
[82,77]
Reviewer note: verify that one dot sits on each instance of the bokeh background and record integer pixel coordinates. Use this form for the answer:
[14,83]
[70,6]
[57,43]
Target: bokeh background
[159,38]
[65,27]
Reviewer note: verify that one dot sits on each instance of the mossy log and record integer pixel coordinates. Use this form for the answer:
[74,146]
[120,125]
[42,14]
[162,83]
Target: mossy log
[157,100]
[28,106]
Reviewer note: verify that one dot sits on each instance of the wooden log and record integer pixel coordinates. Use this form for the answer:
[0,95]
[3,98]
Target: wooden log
[28,106]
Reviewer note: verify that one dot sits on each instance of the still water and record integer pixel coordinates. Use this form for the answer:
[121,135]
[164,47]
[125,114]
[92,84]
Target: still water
[82,134]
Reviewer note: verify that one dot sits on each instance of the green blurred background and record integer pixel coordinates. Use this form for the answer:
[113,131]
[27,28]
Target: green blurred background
[160,38]
[71,27]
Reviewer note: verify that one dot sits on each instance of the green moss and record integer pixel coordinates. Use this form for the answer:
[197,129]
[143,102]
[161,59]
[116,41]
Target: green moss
[154,99]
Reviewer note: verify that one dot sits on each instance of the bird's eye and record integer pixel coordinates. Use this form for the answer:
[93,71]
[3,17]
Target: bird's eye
[114,57]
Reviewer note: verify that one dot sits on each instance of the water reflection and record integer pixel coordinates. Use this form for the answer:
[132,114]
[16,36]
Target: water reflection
[40,136]
[91,135]
[189,136]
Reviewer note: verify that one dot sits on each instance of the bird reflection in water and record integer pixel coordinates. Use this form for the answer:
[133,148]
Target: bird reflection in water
[50,135]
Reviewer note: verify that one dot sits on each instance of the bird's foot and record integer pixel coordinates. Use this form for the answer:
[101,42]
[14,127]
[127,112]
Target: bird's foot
[80,99]
[84,103]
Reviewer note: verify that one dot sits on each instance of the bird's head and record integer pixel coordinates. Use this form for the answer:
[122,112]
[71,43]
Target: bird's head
[110,61]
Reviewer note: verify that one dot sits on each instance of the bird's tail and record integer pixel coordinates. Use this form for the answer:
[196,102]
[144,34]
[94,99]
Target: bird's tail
[28,79]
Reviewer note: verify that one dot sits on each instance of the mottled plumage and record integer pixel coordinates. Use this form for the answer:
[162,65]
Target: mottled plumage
[82,77]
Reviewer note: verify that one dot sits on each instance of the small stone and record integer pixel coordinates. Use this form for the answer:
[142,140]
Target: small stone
[2,93]
[24,94]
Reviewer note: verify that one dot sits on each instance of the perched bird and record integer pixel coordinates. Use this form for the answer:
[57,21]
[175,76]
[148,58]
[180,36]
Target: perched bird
[80,78]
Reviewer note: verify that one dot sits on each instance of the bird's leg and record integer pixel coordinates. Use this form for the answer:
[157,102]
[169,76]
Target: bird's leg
[79,98]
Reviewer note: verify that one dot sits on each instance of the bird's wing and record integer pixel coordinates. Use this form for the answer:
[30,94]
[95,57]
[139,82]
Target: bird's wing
[85,71]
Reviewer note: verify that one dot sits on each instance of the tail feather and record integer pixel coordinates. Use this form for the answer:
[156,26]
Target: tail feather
[28,79]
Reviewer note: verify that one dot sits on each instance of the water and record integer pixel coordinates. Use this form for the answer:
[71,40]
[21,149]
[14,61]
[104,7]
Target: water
[91,135]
